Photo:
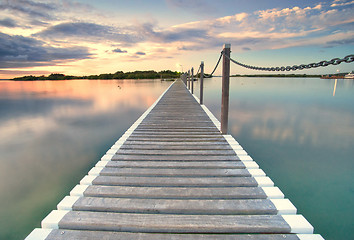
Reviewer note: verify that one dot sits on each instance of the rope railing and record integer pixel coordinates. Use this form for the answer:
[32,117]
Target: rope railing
[216,66]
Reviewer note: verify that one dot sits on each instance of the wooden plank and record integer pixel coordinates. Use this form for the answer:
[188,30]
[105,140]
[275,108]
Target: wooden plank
[182,133]
[175,181]
[172,223]
[170,172]
[175,139]
[175,147]
[175,192]
[176,143]
[177,206]
[174,158]
[176,152]
[177,164]
[59,234]
[195,137]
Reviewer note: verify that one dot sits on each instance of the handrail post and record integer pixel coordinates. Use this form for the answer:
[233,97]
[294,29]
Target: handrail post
[189,79]
[225,88]
[201,82]
[192,80]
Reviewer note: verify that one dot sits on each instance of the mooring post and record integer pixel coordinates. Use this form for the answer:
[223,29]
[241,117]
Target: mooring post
[201,82]
[225,88]
[189,79]
[192,80]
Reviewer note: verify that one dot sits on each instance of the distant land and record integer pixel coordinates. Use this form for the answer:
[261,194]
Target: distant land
[151,74]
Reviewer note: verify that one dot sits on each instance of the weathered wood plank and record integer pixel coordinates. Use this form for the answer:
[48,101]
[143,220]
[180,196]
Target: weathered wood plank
[181,133]
[176,181]
[174,158]
[177,164]
[177,206]
[175,139]
[194,137]
[170,172]
[175,192]
[175,147]
[59,234]
[168,152]
[221,142]
[172,223]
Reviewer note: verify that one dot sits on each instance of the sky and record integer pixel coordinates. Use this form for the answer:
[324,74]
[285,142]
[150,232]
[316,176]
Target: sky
[84,37]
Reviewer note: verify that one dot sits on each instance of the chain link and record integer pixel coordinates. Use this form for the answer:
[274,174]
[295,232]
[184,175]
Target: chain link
[334,61]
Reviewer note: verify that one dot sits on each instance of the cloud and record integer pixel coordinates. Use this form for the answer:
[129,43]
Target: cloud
[171,34]
[246,49]
[348,41]
[140,53]
[197,6]
[8,22]
[86,32]
[338,3]
[19,51]
[30,8]
[118,50]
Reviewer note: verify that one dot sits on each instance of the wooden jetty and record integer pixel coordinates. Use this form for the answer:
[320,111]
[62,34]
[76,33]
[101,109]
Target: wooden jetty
[173,175]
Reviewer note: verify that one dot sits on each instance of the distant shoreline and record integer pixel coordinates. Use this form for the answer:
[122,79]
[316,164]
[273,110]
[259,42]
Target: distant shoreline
[166,75]
[151,74]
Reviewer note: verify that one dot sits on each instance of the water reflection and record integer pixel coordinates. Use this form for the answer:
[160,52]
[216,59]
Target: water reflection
[52,133]
[335,87]
[302,137]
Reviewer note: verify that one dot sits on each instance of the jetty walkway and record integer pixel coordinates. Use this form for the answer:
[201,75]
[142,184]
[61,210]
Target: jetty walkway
[173,175]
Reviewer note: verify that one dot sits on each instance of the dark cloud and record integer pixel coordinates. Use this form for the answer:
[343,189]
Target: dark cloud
[118,50]
[19,51]
[30,8]
[86,31]
[178,34]
[140,53]
[246,49]
[8,22]
[348,41]
[197,6]
[125,35]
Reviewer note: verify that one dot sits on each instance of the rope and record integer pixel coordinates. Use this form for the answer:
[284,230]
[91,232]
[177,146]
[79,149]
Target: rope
[216,66]
[334,61]
[197,72]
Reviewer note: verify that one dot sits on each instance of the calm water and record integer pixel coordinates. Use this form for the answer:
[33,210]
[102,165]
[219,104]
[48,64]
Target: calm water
[303,138]
[301,135]
[52,133]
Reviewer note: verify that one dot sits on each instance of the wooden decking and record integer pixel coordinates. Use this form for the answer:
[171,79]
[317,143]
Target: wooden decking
[172,175]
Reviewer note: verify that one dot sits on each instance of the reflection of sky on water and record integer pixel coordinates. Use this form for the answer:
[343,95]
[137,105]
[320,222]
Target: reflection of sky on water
[52,133]
[303,137]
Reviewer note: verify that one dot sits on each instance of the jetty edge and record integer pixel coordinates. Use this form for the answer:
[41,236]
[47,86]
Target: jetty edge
[173,175]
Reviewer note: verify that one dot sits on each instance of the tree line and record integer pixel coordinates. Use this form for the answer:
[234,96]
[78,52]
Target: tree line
[151,74]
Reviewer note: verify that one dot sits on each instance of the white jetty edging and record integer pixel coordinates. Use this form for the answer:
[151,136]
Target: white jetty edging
[297,223]
[51,221]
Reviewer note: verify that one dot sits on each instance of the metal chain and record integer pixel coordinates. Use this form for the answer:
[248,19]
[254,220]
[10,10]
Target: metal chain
[334,61]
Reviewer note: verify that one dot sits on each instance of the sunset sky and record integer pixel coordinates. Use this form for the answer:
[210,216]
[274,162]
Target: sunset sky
[86,37]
